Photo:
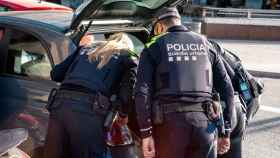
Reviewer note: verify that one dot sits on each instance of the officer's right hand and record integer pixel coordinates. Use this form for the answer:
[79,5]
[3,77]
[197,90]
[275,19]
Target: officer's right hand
[148,147]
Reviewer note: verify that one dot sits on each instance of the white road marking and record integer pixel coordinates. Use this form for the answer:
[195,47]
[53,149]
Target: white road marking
[270,109]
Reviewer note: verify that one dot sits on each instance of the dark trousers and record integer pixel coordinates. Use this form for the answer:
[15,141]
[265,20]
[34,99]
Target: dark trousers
[185,135]
[74,130]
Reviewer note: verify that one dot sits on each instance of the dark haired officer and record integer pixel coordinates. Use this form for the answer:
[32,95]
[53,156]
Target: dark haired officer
[176,75]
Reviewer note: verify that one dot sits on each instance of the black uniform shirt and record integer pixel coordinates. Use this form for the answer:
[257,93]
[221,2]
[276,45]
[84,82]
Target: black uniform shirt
[117,77]
[145,85]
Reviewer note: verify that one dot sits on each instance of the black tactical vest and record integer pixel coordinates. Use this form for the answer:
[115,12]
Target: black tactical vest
[184,66]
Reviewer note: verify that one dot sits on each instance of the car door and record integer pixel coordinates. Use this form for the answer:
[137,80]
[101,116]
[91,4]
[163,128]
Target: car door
[25,84]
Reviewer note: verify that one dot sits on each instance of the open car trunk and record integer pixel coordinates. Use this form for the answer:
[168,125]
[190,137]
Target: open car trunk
[118,9]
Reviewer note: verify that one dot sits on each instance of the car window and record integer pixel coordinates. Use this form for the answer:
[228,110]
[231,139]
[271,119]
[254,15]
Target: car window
[4,9]
[138,45]
[27,56]
[146,3]
[73,3]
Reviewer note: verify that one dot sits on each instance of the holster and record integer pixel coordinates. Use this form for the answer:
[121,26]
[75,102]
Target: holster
[102,102]
[157,113]
[51,99]
[213,110]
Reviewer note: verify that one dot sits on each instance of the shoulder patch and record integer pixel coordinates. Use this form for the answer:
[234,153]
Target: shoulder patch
[154,39]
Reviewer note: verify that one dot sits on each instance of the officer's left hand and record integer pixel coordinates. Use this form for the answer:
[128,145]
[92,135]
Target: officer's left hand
[223,145]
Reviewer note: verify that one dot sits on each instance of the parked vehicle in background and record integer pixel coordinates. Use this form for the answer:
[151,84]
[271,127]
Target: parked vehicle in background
[20,5]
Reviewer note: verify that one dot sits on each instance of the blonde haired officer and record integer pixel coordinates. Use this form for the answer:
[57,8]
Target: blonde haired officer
[78,109]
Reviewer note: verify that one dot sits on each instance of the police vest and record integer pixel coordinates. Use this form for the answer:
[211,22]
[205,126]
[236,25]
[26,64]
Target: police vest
[85,73]
[184,67]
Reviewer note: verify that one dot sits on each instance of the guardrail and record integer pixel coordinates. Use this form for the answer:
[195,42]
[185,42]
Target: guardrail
[231,23]
[243,13]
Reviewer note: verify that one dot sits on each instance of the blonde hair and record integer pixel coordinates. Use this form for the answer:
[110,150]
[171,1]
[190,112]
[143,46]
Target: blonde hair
[115,44]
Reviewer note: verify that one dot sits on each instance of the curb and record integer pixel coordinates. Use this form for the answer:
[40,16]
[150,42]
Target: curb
[274,75]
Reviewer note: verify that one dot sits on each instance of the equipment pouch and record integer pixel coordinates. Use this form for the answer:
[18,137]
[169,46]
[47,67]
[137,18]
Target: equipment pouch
[217,109]
[157,113]
[51,99]
[102,103]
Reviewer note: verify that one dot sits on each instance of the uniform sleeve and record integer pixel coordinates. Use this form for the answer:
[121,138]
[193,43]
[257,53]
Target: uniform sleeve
[143,92]
[223,85]
[127,84]
[229,70]
[59,71]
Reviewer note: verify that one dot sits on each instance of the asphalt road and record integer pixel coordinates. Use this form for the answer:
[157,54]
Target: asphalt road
[263,134]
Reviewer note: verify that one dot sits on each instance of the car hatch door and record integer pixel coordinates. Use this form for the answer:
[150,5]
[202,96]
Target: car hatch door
[118,9]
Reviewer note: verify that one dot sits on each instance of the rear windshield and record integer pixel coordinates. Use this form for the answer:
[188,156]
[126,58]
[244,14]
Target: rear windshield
[152,4]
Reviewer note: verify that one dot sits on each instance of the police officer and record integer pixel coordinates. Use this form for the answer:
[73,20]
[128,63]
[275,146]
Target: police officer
[175,78]
[79,107]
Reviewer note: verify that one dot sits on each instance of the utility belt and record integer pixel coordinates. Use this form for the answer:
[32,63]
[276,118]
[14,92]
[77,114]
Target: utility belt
[180,107]
[96,101]
[77,96]
[160,110]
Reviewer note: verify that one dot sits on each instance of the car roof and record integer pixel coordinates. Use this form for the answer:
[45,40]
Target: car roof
[34,5]
[58,20]
[51,26]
